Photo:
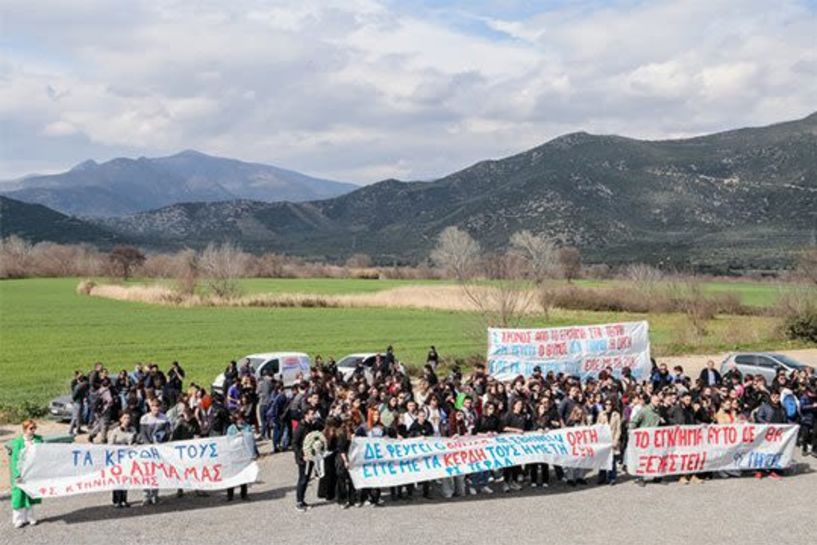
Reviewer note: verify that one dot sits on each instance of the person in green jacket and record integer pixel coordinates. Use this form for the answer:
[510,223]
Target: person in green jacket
[22,511]
[647,417]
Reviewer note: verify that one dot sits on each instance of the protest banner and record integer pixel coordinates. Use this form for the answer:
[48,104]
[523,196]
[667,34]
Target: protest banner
[376,462]
[51,469]
[578,350]
[679,450]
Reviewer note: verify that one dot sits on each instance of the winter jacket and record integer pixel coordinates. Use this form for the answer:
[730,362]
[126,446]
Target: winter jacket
[614,421]
[298,436]
[771,414]
[154,429]
[808,411]
[647,417]
[118,436]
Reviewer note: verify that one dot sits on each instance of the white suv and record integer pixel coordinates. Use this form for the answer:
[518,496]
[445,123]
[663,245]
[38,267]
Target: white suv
[282,366]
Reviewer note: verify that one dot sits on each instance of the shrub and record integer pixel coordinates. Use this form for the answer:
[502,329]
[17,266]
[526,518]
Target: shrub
[798,307]
[85,287]
[686,297]
[14,414]
[802,327]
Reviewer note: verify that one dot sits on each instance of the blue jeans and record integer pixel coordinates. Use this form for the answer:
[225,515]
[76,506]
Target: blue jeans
[87,413]
[280,435]
[265,423]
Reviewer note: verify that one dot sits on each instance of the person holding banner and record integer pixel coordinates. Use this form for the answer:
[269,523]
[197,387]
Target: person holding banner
[542,422]
[648,417]
[372,428]
[771,412]
[515,421]
[22,505]
[421,427]
[240,426]
[612,418]
[576,418]
[123,434]
[154,427]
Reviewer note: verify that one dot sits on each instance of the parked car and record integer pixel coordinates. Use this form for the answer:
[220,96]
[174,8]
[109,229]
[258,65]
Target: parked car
[60,408]
[348,364]
[282,366]
[765,364]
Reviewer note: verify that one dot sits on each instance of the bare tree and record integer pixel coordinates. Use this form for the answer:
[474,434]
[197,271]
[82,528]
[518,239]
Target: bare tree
[456,252]
[688,297]
[645,278]
[124,259]
[570,261]
[507,297]
[188,272]
[15,257]
[271,265]
[539,253]
[807,264]
[496,285]
[222,266]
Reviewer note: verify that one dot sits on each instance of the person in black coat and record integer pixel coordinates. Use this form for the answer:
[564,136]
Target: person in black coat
[306,425]
[709,375]
[327,484]
[345,488]
[421,427]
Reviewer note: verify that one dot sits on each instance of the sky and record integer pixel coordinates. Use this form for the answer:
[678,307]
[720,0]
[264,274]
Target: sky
[363,90]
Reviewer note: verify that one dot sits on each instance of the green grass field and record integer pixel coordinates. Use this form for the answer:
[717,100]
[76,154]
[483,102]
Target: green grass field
[47,331]
[754,294]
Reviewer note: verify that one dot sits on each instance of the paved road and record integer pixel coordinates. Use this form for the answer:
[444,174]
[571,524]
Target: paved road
[721,511]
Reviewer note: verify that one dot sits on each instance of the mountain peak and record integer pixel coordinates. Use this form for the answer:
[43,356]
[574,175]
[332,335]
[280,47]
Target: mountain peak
[190,153]
[85,165]
[571,139]
[126,185]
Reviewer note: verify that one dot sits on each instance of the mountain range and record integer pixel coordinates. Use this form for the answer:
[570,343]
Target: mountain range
[125,186]
[741,199]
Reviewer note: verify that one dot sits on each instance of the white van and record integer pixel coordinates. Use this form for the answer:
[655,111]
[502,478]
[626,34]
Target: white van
[282,366]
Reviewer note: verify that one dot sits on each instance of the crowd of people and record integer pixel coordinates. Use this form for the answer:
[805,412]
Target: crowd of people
[147,405]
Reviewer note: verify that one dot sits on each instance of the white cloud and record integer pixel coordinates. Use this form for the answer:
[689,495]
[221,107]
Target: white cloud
[361,90]
[60,128]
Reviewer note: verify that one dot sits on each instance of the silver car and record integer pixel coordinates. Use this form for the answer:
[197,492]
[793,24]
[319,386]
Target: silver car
[60,408]
[765,364]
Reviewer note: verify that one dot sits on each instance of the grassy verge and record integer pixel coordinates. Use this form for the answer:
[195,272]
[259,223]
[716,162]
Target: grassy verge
[47,331]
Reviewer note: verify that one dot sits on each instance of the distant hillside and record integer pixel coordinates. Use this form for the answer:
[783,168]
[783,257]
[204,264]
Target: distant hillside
[743,198]
[125,186]
[37,223]
[738,199]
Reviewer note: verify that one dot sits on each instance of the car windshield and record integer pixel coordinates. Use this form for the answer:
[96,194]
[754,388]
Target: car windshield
[255,363]
[349,362]
[794,364]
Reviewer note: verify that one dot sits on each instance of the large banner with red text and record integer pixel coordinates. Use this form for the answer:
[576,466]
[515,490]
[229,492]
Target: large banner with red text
[582,351]
[53,469]
[377,462]
[680,450]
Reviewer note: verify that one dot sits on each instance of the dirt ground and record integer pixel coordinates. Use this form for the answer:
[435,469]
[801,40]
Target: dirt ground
[737,510]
